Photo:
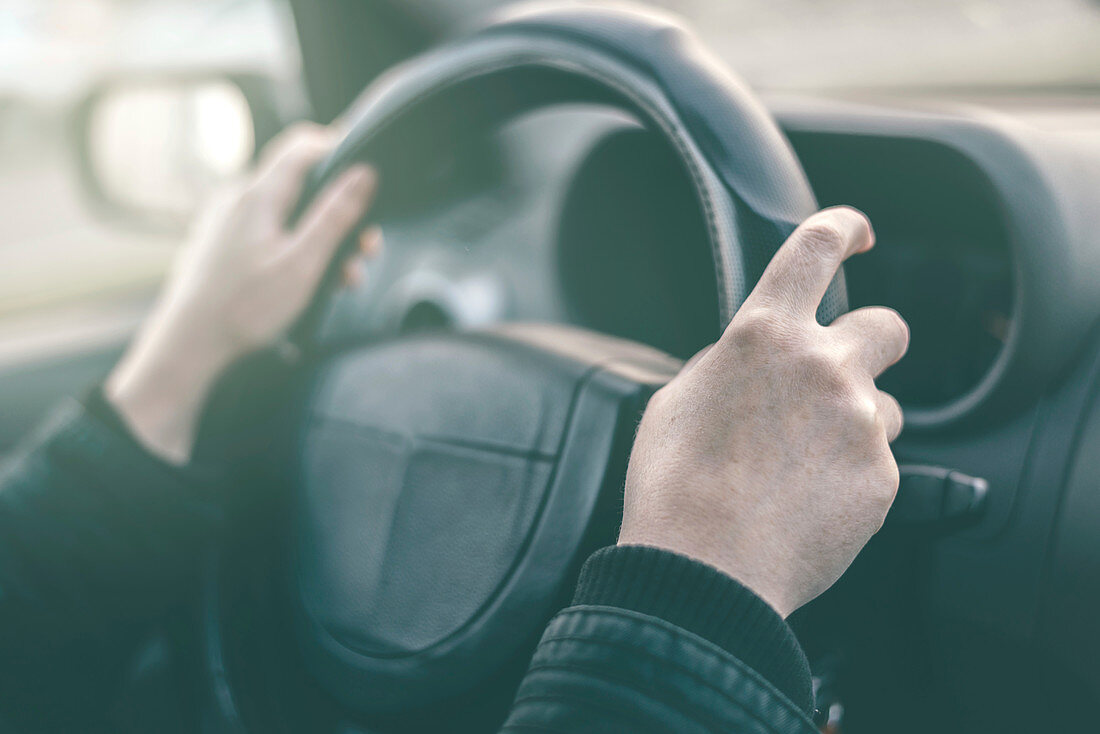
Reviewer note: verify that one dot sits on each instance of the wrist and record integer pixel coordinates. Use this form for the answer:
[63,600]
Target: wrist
[694,545]
[161,384]
[704,601]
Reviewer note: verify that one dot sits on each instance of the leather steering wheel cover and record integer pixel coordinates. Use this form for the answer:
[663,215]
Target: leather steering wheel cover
[751,188]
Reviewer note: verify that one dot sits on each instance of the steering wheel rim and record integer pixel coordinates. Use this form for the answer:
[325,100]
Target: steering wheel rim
[750,187]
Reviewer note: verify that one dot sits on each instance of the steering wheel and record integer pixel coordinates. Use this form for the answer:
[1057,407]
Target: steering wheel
[446,488]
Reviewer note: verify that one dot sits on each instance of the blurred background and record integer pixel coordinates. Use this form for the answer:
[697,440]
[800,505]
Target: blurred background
[118,116]
[68,272]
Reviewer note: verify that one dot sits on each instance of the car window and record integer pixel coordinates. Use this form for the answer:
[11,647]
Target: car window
[815,44]
[55,254]
[807,44]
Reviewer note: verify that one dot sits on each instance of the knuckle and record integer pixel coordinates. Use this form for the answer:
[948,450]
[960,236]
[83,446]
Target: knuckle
[864,416]
[851,353]
[826,370]
[303,127]
[756,325]
[303,135]
[823,238]
[890,410]
[298,145]
[892,406]
[887,479]
[660,398]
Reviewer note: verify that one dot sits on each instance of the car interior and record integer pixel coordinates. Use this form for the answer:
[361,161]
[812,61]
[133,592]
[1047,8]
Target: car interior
[559,209]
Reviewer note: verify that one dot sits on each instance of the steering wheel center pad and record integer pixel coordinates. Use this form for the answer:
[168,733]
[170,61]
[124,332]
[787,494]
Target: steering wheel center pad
[450,488]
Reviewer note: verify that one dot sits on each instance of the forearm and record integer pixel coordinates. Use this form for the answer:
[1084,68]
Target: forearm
[160,386]
[94,531]
[655,642]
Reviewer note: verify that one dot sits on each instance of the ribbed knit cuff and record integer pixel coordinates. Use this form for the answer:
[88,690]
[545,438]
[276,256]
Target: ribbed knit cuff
[702,600]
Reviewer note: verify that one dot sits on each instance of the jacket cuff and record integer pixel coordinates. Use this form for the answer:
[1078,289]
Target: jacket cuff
[204,479]
[704,601]
[97,406]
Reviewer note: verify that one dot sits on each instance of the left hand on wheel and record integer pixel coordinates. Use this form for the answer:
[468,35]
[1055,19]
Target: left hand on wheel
[241,281]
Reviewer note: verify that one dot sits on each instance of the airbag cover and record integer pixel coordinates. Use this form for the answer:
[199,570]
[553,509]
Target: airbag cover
[448,488]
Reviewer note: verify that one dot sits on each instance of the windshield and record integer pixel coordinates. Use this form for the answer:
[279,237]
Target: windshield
[819,44]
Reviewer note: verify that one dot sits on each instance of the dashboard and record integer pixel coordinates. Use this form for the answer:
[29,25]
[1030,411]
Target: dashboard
[985,214]
[944,259]
[577,214]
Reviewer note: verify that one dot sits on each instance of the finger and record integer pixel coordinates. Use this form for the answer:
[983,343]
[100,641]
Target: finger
[291,137]
[802,269]
[353,272]
[889,411]
[283,175]
[332,216]
[879,336]
[371,242]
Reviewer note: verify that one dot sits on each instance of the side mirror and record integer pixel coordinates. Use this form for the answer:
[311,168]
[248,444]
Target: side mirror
[150,149]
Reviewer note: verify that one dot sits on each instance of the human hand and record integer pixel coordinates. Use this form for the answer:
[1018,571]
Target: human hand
[240,282]
[768,456]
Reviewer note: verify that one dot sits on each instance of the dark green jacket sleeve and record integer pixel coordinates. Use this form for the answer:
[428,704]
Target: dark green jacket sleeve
[656,642]
[96,537]
[93,530]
